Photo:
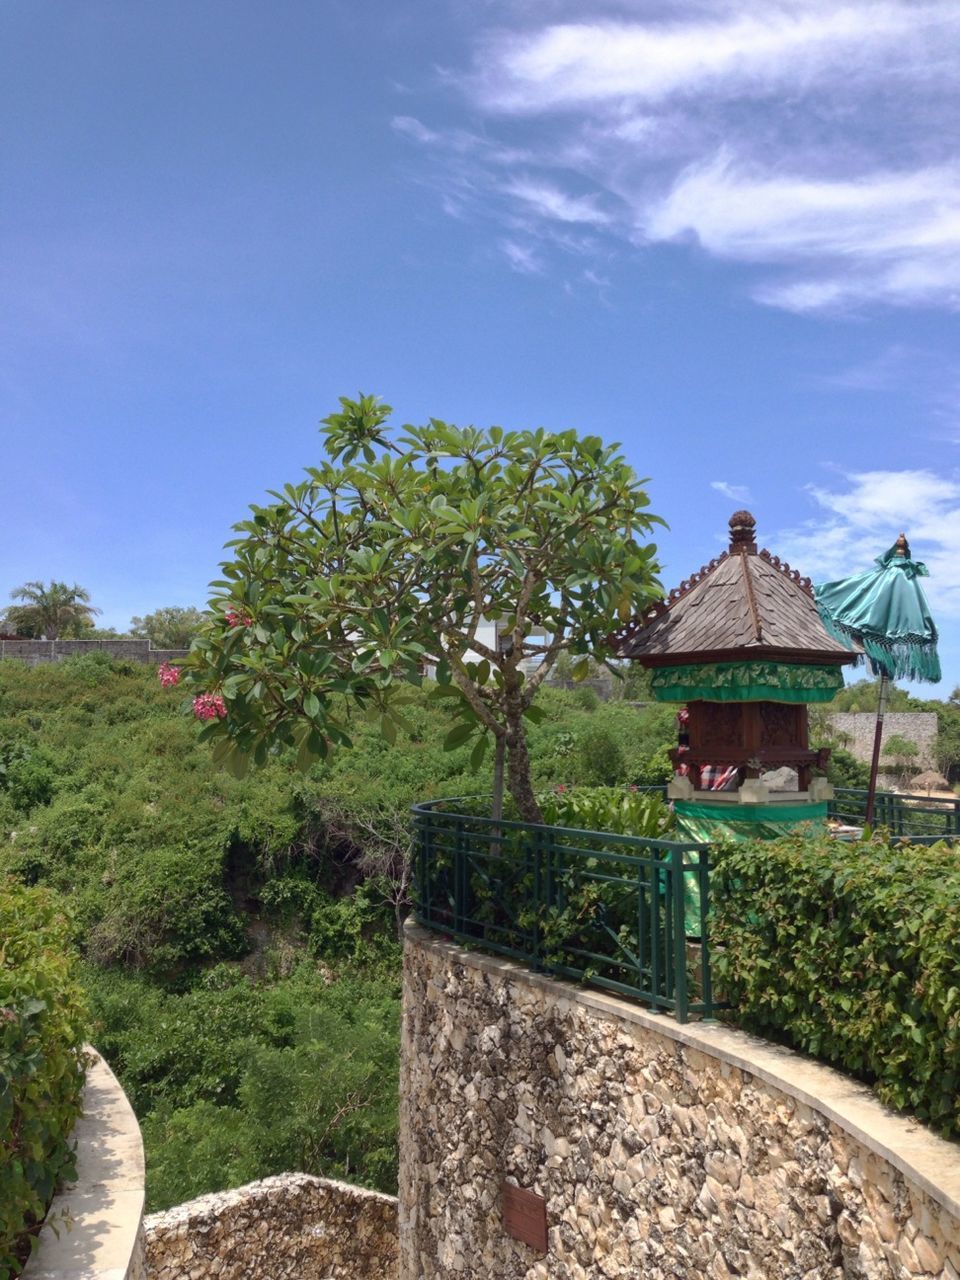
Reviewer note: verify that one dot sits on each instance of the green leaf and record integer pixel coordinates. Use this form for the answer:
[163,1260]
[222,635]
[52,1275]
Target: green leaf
[458,736]
[479,752]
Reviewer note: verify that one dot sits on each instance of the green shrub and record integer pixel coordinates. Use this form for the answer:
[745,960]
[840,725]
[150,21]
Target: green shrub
[42,1023]
[845,770]
[599,758]
[654,769]
[849,952]
[618,810]
[234,1080]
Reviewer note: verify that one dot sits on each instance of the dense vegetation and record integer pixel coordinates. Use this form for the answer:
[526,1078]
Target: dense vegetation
[848,951]
[240,936]
[42,1025]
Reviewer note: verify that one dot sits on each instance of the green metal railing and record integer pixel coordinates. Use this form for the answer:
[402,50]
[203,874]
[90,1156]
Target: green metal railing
[921,819]
[620,912]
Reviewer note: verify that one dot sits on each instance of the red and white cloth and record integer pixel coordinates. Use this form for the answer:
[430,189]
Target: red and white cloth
[718,777]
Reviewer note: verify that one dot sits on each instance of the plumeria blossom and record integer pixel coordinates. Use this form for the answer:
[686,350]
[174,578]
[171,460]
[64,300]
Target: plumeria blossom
[209,706]
[235,619]
[168,675]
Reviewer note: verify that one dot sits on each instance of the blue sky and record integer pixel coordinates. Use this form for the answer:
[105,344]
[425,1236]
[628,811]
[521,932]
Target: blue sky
[726,234]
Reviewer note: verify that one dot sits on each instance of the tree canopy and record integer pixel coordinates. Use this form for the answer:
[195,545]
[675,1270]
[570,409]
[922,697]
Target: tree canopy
[387,562]
[49,610]
[172,627]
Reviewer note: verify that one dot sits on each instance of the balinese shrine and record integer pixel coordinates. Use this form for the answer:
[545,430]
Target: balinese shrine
[741,650]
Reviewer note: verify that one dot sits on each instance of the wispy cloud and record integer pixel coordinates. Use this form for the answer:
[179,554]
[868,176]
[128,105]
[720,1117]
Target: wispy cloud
[813,138]
[548,201]
[881,372]
[884,235]
[735,492]
[522,257]
[576,64]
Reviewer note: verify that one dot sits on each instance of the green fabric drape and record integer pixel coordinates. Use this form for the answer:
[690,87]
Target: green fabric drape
[748,681]
[886,612]
[697,820]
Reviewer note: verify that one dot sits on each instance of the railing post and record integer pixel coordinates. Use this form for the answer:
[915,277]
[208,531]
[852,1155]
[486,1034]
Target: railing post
[681,1006]
[424,895]
[536,939]
[703,875]
[459,877]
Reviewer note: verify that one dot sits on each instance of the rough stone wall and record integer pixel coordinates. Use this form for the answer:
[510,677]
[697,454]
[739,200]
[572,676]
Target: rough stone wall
[658,1156]
[294,1225]
[919,727]
[35,652]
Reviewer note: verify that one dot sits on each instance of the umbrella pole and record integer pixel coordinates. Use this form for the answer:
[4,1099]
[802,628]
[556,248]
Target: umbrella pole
[875,761]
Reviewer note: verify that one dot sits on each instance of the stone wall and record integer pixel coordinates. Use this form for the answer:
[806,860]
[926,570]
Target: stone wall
[661,1150]
[919,727]
[294,1225]
[35,652]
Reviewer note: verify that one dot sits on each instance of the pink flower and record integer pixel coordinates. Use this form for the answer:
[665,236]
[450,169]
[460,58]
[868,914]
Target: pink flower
[559,788]
[168,675]
[234,619]
[209,706]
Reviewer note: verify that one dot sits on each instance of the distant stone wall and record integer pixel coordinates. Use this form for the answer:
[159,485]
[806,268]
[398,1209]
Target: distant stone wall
[661,1150]
[294,1225]
[919,727]
[35,652]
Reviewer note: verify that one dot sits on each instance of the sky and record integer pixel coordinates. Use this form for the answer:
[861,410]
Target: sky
[726,234]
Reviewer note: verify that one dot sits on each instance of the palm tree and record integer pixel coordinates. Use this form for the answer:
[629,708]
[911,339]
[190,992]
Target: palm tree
[48,611]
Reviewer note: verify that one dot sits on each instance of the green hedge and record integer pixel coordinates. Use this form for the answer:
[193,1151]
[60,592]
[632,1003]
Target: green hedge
[849,952]
[41,1069]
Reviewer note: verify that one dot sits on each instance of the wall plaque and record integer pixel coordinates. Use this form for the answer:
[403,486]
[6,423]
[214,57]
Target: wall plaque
[525,1216]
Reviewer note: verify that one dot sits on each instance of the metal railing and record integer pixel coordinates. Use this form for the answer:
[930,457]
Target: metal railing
[921,819]
[619,912]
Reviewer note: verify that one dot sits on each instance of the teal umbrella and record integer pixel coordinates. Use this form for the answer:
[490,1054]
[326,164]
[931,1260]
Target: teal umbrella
[885,613]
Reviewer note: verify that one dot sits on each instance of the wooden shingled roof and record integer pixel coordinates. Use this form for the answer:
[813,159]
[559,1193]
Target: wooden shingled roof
[746,603]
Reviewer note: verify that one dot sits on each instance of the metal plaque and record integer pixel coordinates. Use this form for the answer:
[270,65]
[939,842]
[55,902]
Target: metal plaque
[525,1216]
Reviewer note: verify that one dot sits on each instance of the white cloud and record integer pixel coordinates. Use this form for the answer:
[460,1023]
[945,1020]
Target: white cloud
[523,258]
[738,214]
[861,519]
[548,201]
[735,492]
[885,235]
[583,63]
[413,128]
[813,138]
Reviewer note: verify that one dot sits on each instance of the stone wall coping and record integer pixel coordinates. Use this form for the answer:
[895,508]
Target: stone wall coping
[932,1163]
[211,1206]
[102,1236]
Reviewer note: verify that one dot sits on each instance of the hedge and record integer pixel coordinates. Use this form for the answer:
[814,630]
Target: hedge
[850,953]
[41,1064]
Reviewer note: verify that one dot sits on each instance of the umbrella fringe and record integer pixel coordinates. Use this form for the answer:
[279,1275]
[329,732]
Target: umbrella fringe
[907,658]
[903,660]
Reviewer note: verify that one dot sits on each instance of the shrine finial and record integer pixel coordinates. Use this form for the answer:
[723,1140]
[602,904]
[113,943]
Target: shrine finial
[743,530]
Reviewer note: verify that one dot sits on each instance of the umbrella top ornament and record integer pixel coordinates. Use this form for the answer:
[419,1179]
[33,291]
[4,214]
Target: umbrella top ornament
[885,612]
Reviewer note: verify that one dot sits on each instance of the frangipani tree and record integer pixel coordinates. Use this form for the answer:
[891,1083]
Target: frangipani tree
[388,558]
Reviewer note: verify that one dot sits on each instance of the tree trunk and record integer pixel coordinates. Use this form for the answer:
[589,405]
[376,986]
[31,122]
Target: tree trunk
[518,769]
[497,807]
